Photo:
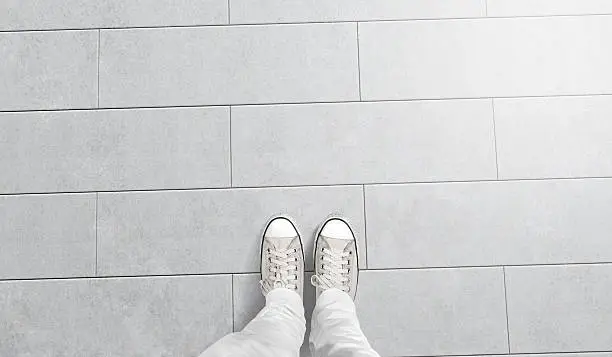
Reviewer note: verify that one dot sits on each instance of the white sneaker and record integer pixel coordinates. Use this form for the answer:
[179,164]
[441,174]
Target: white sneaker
[335,258]
[282,257]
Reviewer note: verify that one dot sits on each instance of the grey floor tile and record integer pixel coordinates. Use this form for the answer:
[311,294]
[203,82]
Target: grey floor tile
[248,301]
[547,7]
[47,236]
[228,65]
[178,316]
[485,58]
[565,354]
[489,223]
[210,231]
[433,312]
[114,149]
[279,11]
[52,14]
[48,70]
[554,137]
[363,142]
[560,308]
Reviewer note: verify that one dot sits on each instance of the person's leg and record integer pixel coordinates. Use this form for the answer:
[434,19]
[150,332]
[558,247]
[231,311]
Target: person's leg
[278,329]
[335,328]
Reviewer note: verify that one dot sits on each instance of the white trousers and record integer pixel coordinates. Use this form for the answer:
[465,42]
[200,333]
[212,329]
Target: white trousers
[278,330]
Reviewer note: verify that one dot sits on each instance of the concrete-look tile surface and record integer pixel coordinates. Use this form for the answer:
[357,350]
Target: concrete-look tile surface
[279,11]
[114,150]
[433,312]
[560,308]
[363,142]
[48,70]
[547,7]
[248,301]
[489,223]
[211,231]
[66,14]
[485,58]
[145,144]
[228,65]
[169,316]
[44,236]
[564,354]
[554,137]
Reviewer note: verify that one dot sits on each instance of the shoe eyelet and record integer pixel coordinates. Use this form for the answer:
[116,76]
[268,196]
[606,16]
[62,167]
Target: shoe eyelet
[322,266]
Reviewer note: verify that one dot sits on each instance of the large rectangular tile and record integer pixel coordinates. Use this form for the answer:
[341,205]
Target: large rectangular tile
[114,149]
[48,70]
[565,354]
[485,57]
[547,7]
[47,236]
[248,301]
[228,65]
[433,312]
[51,14]
[282,11]
[560,308]
[210,231]
[489,223]
[178,316]
[554,137]
[363,142]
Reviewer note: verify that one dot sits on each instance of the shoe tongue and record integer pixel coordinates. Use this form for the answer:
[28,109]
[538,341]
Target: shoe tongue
[337,244]
[282,243]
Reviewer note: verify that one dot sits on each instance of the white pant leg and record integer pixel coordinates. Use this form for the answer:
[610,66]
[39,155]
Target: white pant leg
[278,330]
[335,329]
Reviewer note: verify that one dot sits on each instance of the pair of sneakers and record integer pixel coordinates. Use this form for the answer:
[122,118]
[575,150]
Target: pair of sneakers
[335,257]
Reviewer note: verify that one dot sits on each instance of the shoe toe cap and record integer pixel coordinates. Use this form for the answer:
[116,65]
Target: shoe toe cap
[280,228]
[337,229]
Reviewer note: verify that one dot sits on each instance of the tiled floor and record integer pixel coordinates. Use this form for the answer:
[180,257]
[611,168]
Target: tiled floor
[143,145]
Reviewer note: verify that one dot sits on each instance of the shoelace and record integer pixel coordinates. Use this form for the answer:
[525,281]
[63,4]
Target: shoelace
[334,271]
[283,268]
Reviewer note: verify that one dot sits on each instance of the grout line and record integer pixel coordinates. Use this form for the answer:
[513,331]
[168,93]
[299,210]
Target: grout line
[336,102]
[231,162]
[229,17]
[99,45]
[233,312]
[119,28]
[263,187]
[506,303]
[358,64]
[495,139]
[137,276]
[96,265]
[365,225]
[512,354]
[486,7]
[534,265]
[178,275]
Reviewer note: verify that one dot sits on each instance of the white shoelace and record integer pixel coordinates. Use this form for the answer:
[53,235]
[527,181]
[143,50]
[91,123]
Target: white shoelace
[282,267]
[334,271]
